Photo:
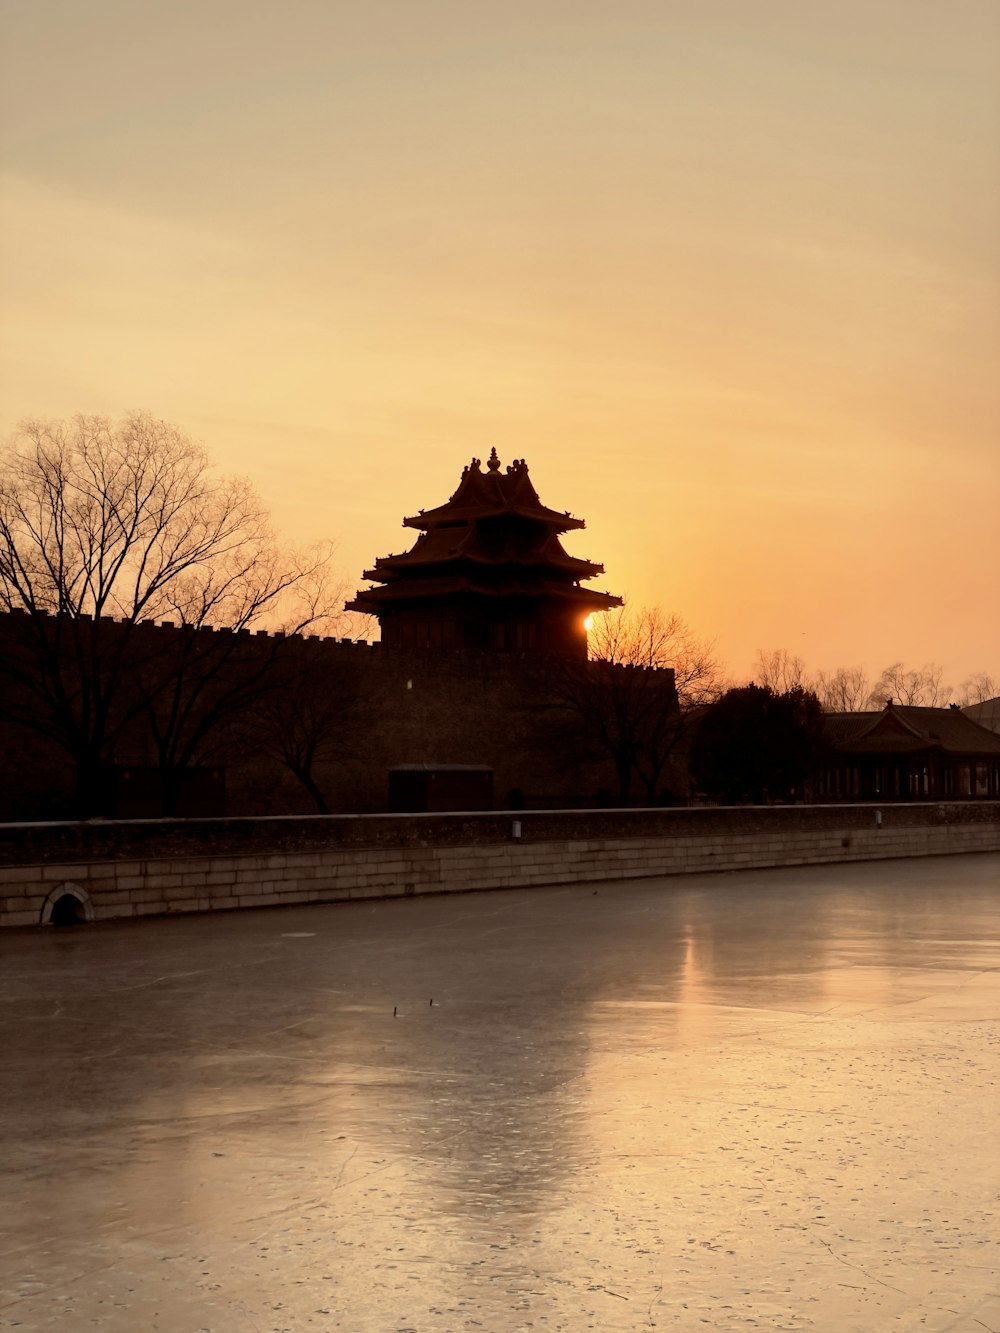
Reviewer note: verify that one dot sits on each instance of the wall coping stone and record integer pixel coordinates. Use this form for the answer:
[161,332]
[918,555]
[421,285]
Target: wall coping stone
[74,844]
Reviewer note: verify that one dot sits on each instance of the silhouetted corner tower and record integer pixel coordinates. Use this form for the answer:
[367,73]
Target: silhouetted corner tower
[488,572]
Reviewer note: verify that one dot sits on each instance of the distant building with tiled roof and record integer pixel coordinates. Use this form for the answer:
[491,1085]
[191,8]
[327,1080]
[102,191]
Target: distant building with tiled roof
[488,573]
[907,753]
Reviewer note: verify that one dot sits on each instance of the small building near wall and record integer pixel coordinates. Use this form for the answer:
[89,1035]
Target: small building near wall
[905,753]
[427,788]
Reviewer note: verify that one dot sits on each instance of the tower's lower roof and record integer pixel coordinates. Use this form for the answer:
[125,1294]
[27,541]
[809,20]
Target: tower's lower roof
[508,588]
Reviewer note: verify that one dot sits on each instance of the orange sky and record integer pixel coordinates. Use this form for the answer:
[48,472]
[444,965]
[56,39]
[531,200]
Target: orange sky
[726,273]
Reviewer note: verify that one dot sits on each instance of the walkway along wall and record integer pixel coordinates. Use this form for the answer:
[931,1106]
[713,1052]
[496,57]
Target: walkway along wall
[98,871]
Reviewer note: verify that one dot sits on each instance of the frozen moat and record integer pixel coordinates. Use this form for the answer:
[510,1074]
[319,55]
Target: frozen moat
[767,1100]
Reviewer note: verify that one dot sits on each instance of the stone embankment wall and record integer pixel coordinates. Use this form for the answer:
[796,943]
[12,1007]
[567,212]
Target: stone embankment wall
[99,871]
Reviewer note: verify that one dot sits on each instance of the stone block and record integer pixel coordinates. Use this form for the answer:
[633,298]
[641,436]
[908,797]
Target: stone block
[174,893]
[123,869]
[372,891]
[113,911]
[109,897]
[392,865]
[20,874]
[58,873]
[145,895]
[21,917]
[183,905]
[220,877]
[158,866]
[23,902]
[323,882]
[163,879]
[130,882]
[331,895]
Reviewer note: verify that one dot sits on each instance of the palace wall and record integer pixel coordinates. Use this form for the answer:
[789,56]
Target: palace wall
[503,710]
[422,706]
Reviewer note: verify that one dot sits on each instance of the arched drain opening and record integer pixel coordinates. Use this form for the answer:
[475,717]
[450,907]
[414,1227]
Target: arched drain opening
[67,911]
[67,905]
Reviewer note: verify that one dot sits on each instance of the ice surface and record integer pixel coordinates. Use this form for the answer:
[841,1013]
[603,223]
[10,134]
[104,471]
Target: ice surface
[766,1100]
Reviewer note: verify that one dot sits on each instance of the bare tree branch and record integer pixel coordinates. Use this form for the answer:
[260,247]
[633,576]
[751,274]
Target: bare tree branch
[846,690]
[977,689]
[921,687]
[106,527]
[635,699]
[779,670]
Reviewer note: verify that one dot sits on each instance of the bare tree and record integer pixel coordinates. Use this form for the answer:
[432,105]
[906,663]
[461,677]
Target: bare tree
[779,671]
[921,687]
[106,527]
[635,698]
[195,682]
[311,719]
[649,637]
[846,690]
[978,688]
[849,690]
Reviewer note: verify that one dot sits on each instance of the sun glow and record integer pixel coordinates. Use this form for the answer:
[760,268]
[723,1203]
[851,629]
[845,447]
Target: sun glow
[588,624]
[825,308]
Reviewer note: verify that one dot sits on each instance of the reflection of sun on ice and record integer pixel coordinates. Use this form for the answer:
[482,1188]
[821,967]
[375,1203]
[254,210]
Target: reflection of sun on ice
[588,624]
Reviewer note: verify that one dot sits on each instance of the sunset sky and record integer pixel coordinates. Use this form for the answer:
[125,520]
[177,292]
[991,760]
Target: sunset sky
[725,272]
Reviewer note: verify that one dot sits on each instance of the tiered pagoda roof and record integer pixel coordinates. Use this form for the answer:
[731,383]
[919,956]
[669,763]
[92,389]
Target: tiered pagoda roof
[493,542]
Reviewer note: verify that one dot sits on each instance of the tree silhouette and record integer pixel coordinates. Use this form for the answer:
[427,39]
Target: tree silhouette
[310,719]
[635,699]
[107,527]
[846,690]
[779,670]
[978,688]
[758,746]
[921,687]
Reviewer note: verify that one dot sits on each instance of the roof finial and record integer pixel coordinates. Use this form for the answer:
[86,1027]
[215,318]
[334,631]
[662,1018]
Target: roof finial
[494,462]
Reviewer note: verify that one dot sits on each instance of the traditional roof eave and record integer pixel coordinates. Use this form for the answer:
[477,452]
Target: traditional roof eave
[389,568]
[430,591]
[450,513]
[916,730]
